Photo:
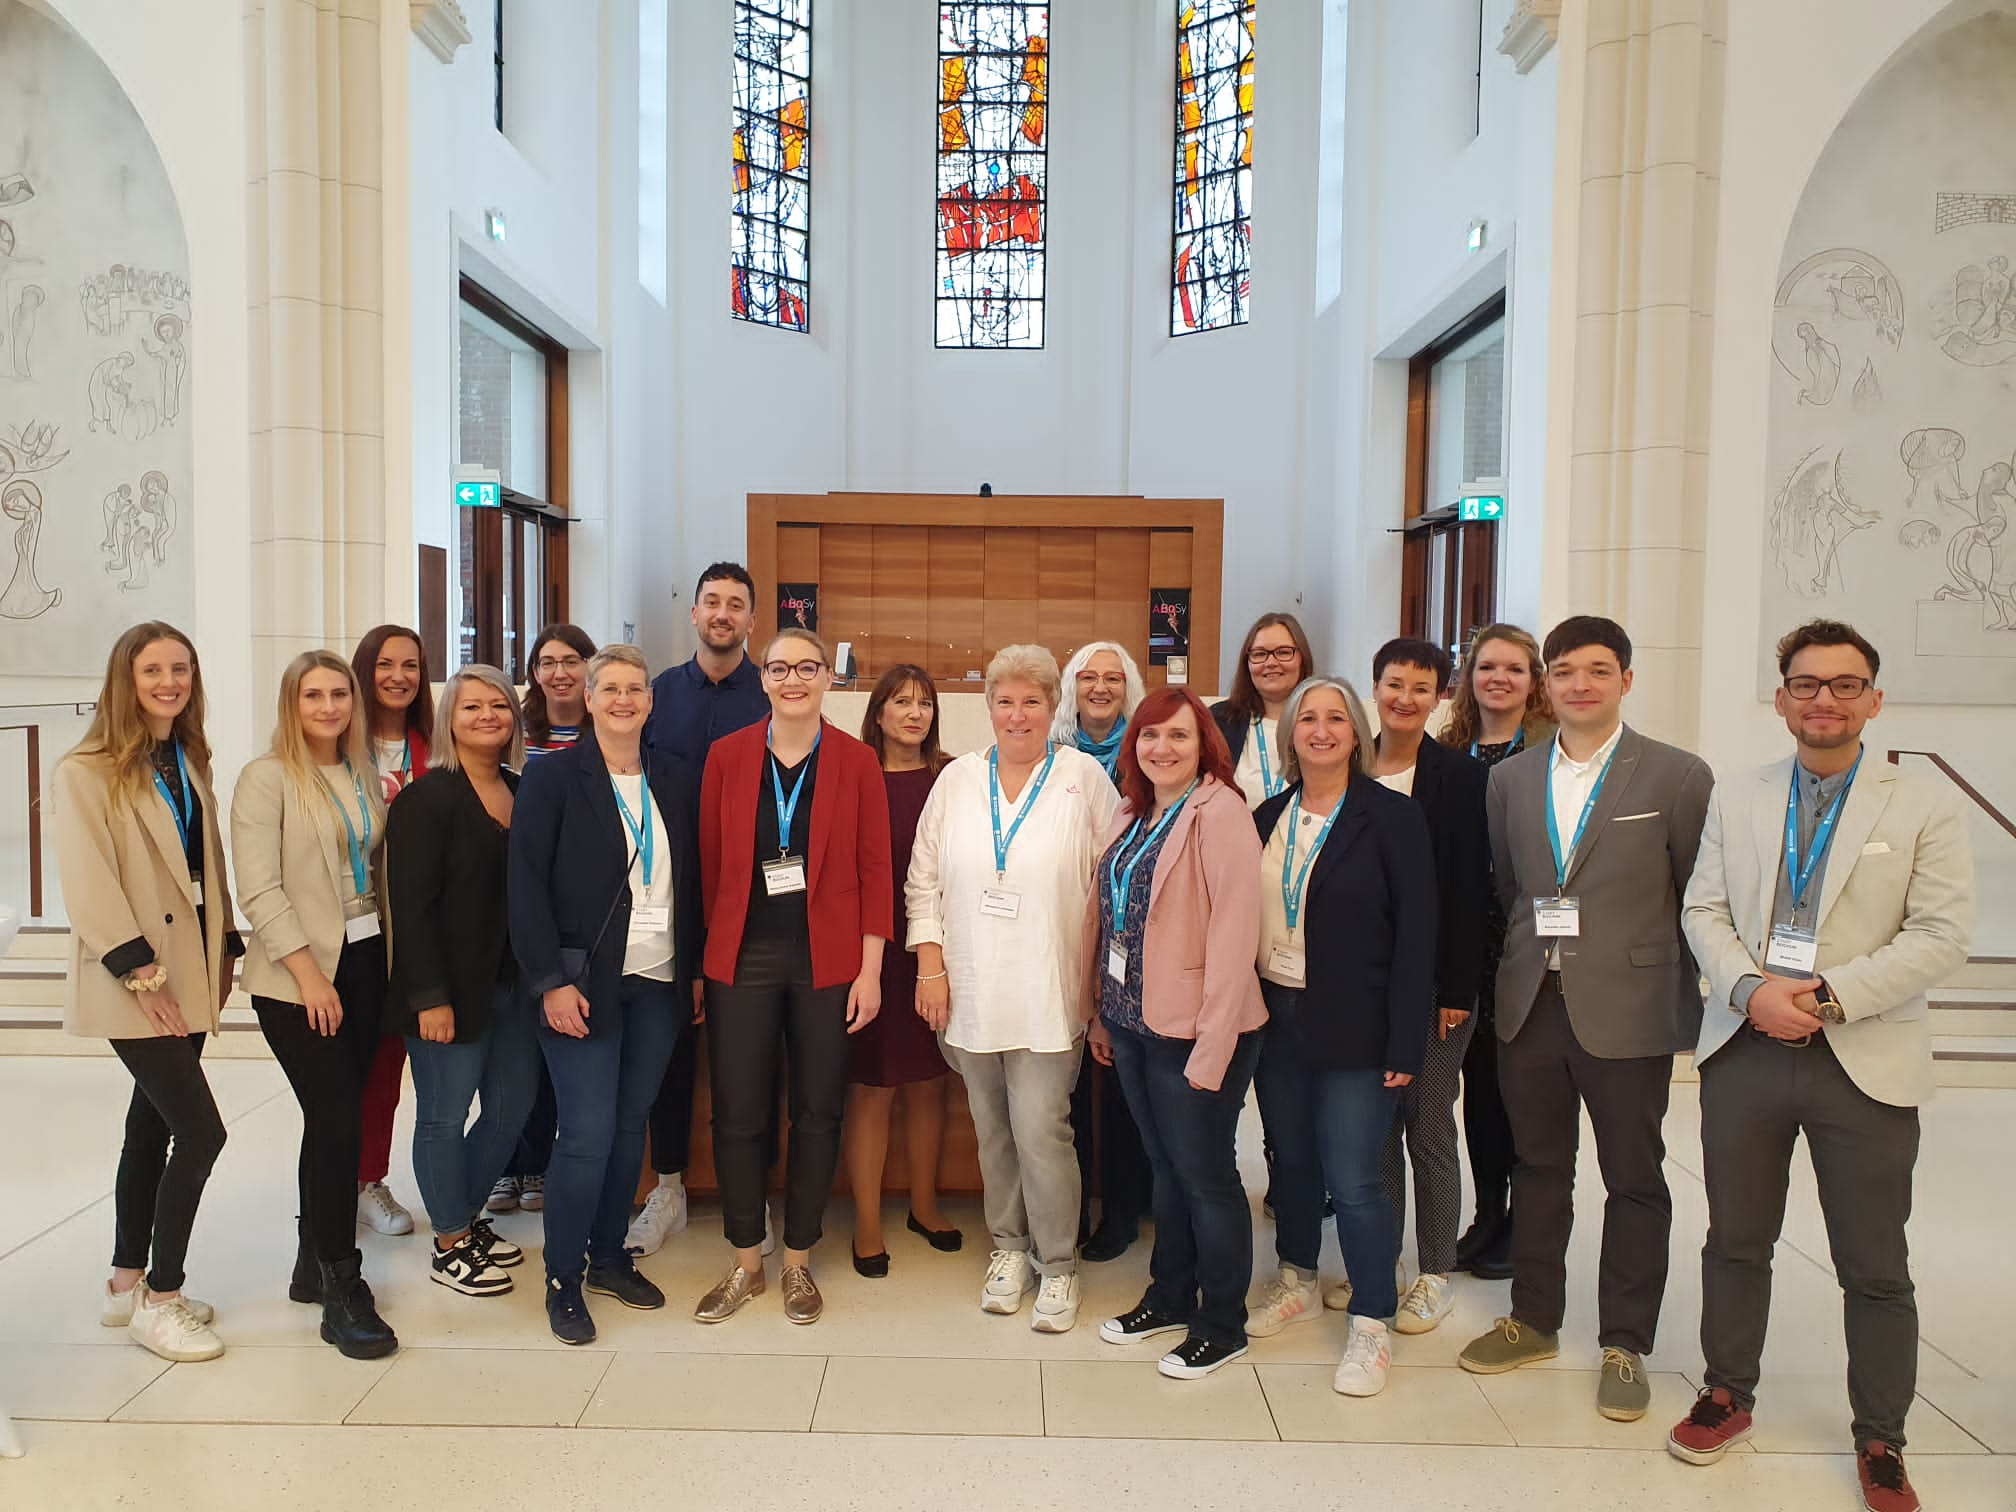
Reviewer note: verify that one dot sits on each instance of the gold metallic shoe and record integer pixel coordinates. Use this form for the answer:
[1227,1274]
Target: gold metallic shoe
[735,1288]
[802,1302]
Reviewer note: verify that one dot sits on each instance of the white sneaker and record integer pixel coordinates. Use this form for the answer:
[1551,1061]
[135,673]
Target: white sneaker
[1337,1296]
[664,1215]
[1427,1303]
[115,1310]
[769,1233]
[170,1330]
[1010,1278]
[1056,1307]
[1288,1299]
[1367,1358]
[378,1209]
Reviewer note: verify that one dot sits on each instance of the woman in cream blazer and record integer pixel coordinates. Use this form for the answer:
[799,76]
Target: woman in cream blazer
[307,830]
[151,944]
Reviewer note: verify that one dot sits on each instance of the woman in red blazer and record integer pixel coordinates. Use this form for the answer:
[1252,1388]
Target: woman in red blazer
[794,870]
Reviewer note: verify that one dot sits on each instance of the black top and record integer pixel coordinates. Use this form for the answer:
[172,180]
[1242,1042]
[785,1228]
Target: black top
[690,711]
[782,917]
[1449,786]
[1233,726]
[1494,910]
[445,879]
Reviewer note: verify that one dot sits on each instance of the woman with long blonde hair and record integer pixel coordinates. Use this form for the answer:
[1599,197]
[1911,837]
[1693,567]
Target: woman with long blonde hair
[307,828]
[137,844]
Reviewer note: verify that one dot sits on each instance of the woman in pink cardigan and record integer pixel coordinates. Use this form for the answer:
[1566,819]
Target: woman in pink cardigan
[1171,934]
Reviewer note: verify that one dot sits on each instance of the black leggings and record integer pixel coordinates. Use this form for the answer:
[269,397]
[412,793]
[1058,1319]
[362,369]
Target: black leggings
[327,1075]
[159,1186]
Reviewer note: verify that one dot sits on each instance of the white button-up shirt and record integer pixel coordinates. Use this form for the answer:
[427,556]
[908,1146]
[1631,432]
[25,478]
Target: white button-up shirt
[1569,783]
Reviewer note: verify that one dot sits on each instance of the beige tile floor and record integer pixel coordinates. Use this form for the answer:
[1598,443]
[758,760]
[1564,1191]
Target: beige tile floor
[905,1394]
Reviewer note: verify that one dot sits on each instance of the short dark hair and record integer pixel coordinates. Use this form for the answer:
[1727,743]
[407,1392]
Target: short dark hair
[1580,630]
[1412,651]
[725,572]
[1826,632]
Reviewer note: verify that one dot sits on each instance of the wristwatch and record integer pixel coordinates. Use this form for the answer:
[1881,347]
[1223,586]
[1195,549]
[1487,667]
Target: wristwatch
[153,982]
[1827,1007]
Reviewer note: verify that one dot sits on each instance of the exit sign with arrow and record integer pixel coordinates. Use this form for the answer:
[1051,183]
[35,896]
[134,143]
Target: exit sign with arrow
[478,493]
[1481,507]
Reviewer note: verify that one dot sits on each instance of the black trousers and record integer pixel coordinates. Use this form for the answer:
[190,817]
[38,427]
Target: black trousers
[173,1138]
[327,1075]
[1548,1079]
[1758,1096]
[1106,1136]
[1487,1130]
[535,1141]
[773,1000]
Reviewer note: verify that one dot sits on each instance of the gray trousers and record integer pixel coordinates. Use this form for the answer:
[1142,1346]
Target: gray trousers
[1757,1097]
[1427,1121]
[1021,1104]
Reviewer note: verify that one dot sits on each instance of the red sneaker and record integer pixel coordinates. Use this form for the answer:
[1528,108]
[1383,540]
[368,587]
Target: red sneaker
[1885,1487]
[1706,1434]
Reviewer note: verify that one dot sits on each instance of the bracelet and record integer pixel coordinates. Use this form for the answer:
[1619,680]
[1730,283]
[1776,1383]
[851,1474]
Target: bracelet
[152,983]
[935,977]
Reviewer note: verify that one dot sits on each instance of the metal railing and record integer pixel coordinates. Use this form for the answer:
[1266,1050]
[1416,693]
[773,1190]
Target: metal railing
[1980,800]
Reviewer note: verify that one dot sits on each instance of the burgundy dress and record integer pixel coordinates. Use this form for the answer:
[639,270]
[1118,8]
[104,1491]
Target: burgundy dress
[898,1047]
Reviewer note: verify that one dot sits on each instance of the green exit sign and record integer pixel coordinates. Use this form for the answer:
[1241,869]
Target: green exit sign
[1481,507]
[481,494]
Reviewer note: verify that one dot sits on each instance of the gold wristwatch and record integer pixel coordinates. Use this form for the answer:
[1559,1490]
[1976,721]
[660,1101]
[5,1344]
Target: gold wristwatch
[1827,1007]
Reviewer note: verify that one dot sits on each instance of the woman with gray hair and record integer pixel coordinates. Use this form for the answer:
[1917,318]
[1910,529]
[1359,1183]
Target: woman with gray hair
[455,993]
[999,874]
[1102,688]
[1347,969]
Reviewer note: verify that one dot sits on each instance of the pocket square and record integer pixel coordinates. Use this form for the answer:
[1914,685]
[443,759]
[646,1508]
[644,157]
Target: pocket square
[1627,818]
[1876,848]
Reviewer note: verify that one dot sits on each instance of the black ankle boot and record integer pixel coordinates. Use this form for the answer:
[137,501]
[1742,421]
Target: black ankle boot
[350,1318]
[306,1283]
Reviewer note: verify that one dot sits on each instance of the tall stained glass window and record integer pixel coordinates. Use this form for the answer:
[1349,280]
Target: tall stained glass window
[993,171]
[770,263]
[1213,259]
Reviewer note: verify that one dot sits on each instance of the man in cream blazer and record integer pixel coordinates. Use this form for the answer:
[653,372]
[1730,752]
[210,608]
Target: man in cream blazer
[1830,893]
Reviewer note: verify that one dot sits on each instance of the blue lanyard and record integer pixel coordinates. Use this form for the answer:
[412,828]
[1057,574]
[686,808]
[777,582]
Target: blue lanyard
[185,812]
[1001,842]
[1517,741]
[786,809]
[643,838]
[360,874]
[1588,808]
[1292,891]
[1800,873]
[1267,783]
[1119,883]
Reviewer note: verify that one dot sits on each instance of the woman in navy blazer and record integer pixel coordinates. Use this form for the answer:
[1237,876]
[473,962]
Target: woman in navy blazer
[606,924]
[794,854]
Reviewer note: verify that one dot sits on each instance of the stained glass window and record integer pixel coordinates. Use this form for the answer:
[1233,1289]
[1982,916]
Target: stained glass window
[1213,259]
[993,171]
[770,264]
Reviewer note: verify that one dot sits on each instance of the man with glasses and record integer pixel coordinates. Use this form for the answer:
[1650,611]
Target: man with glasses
[1831,891]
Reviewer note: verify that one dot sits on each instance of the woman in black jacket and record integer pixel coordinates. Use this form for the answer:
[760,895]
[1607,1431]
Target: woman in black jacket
[1347,967]
[454,992]
[606,924]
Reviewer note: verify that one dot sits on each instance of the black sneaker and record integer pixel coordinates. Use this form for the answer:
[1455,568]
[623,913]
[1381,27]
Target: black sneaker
[466,1267]
[1196,1358]
[566,1313]
[1144,1322]
[500,1250]
[626,1284]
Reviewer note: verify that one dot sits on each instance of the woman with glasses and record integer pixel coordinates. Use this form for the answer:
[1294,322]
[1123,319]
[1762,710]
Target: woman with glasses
[1273,661]
[794,846]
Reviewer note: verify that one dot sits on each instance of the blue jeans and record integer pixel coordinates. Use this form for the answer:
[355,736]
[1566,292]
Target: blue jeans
[1328,1132]
[603,1088]
[1203,1254]
[456,1167]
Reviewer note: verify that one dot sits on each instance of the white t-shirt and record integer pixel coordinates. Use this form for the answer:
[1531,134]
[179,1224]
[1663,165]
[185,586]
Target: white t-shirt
[1274,928]
[344,791]
[1248,772]
[1014,983]
[647,953]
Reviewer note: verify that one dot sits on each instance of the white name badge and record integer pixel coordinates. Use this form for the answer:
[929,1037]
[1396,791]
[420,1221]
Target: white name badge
[784,875]
[1000,903]
[1116,964]
[1287,963]
[1557,918]
[196,891]
[650,918]
[1792,952]
[362,927]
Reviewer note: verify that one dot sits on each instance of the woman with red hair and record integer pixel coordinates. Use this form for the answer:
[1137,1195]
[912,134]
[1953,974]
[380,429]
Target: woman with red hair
[1176,1011]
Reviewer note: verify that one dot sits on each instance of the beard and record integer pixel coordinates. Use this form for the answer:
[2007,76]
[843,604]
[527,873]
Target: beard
[1829,740]
[717,637]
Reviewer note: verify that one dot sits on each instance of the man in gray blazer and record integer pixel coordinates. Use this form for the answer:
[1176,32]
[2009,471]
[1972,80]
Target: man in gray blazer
[1831,892]
[1593,837]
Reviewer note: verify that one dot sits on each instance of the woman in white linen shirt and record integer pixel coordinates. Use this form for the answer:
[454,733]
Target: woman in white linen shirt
[999,876]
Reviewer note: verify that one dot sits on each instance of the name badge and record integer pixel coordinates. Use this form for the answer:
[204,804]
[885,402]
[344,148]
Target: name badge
[1557,918]
[650,918]
[784,875]
[362,927]
[1000,903]
[196,891]
[1287,963]
[1792,952]
[1116,964]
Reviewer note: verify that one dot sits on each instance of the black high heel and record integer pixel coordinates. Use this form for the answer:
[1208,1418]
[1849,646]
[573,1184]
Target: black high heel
[946,1240]
[874,1267]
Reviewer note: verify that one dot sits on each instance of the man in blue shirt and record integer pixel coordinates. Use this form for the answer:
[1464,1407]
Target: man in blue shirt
[693,705]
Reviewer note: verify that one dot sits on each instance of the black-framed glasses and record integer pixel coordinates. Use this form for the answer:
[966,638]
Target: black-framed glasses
[1259,656]
[777,671]
[1845,687]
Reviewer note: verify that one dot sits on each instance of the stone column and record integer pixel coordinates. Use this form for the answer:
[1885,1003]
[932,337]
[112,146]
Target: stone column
[313,96]
[1650,178]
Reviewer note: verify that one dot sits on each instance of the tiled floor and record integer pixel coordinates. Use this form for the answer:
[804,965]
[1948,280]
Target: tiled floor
[905,1394]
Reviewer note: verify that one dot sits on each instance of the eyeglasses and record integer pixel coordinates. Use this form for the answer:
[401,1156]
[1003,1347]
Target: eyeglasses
[777,671]
[1844,688]
[1280,655]
[558,664]
[1102,679]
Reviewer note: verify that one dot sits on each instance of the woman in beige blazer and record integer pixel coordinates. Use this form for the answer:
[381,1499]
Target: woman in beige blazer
[307,829]
[137,845]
